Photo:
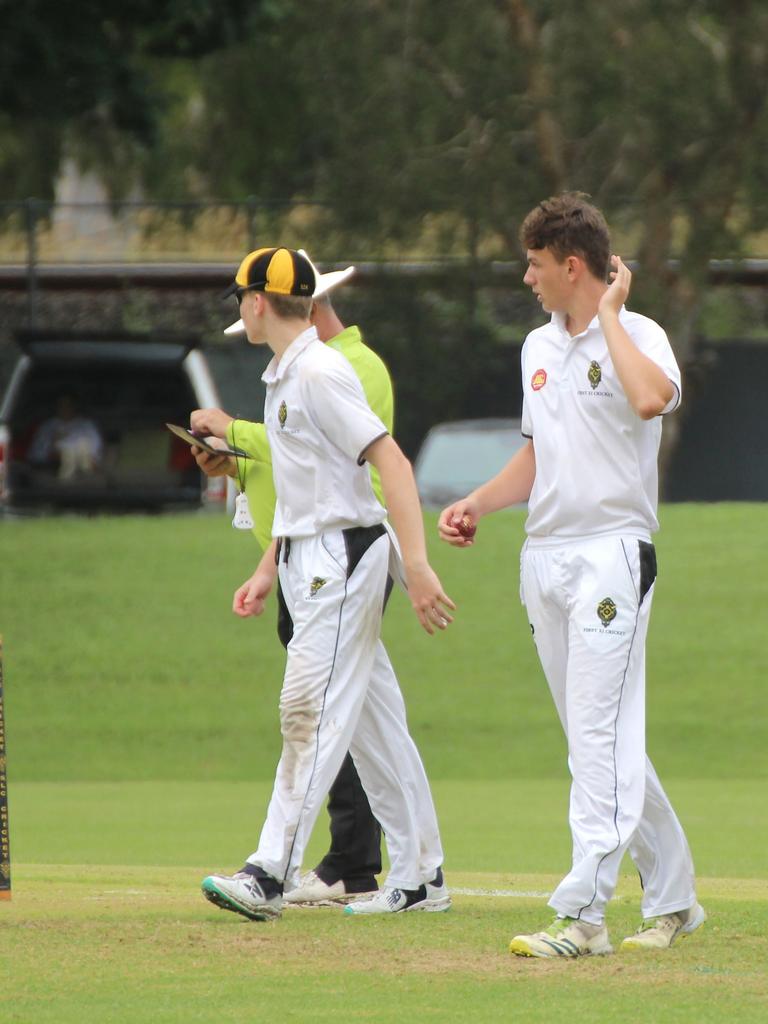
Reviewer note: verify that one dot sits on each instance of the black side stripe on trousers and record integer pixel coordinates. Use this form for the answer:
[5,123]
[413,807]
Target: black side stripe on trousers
[357,540]
[648,567]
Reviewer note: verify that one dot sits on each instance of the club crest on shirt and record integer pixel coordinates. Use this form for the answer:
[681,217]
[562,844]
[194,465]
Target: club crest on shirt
[315,585]
[606,611]
[538,380]
[282,414]
[595,377]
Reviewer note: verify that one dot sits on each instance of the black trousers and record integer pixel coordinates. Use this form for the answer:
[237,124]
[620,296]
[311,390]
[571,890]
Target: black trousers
[355,853]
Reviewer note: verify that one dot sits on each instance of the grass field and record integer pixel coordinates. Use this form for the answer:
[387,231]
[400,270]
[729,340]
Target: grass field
[128,944]
[142,734]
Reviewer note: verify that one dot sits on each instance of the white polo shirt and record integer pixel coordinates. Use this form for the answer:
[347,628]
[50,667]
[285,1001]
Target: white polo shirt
[596,460]
[318,425]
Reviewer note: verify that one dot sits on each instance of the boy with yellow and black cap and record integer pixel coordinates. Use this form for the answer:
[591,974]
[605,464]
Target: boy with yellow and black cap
[332,552]
[279,271]
[350,866]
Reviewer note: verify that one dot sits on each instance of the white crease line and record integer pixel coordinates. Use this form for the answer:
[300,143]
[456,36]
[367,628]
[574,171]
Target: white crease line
[119,892]
[514,893]
[511,893]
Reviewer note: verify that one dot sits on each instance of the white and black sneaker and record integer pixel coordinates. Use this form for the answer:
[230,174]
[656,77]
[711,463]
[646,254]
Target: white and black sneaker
[259,898]
[432,896]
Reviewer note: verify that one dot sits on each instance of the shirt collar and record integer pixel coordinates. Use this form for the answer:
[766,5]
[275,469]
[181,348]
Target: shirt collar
[276,369]
[558,319]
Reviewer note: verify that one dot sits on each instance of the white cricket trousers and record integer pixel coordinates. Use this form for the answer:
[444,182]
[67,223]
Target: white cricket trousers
[340,694]
[588,603]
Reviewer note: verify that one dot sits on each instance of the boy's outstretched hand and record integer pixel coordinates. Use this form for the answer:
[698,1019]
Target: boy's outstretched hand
[455,523]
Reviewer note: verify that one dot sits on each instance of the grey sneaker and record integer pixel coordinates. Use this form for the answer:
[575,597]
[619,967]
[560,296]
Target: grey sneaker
[243,894]
[565,937]
[661,932]
[314,892]
[432,897]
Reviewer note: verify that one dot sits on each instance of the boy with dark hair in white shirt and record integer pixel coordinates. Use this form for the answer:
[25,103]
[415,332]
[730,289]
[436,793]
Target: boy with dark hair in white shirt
[596,381]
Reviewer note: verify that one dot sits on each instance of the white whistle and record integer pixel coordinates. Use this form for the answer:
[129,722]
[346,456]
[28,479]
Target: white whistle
[242,519]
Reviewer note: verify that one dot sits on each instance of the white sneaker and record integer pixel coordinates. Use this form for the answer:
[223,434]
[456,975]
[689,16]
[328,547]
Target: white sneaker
[661,932]
[565,937]
[437,897]
[432,897]
[243,894]
[314,892]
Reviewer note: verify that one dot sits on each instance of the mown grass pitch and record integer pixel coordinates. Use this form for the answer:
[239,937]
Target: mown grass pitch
[142,735]
[127,944]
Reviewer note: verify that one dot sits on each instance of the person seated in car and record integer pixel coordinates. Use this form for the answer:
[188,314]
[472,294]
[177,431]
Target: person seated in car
[68,442]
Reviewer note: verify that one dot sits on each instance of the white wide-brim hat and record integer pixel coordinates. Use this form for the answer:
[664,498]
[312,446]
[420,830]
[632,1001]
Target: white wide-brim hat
[323,283]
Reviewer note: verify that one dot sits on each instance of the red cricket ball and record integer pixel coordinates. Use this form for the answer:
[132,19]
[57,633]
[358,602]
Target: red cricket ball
[466,527]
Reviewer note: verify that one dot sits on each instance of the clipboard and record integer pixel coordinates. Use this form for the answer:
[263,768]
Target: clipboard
[200,442]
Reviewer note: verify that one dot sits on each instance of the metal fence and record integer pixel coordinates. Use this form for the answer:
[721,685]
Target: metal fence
[134,247]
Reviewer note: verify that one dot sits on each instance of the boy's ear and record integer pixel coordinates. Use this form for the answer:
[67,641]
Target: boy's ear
[574,266]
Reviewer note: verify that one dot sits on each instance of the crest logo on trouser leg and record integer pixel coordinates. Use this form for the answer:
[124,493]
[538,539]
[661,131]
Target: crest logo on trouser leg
[316,583]
[606,611]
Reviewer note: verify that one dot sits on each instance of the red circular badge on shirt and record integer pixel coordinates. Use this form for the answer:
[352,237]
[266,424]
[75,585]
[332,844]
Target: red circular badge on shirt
[538,380]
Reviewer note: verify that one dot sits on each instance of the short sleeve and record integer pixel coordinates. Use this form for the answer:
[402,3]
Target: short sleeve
[336,399]
[651,339]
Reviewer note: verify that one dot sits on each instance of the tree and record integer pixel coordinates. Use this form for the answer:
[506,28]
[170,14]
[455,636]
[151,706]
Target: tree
[82,77]
[427,127]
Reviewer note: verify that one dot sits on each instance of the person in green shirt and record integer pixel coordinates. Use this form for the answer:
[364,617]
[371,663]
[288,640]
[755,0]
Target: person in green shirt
[354,859]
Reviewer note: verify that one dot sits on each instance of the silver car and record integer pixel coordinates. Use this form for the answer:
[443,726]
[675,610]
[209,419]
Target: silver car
[457,457]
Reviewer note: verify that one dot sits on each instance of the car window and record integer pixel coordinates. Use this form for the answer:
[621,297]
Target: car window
[456,459]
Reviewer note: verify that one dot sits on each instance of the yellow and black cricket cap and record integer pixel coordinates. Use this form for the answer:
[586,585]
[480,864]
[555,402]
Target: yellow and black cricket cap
[279,271]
